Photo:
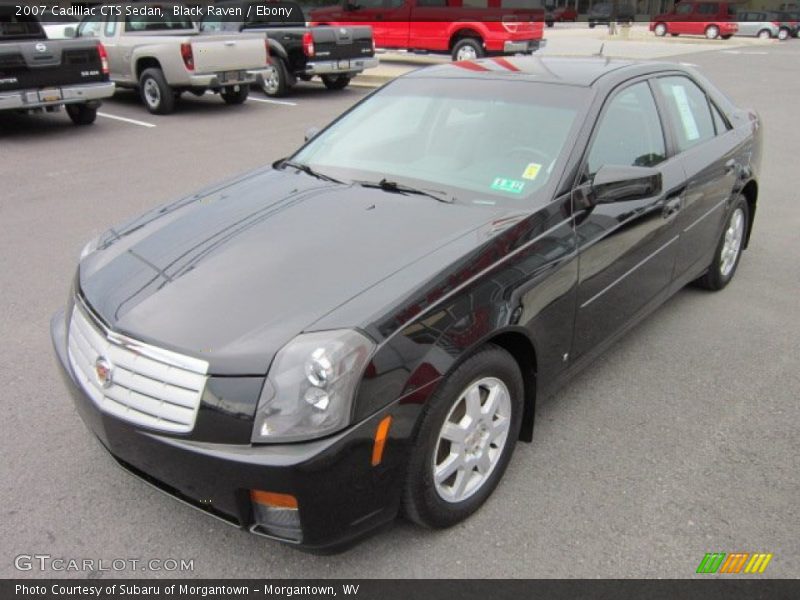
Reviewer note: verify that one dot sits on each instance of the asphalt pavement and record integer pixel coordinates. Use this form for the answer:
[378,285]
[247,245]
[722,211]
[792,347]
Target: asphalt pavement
[681,440]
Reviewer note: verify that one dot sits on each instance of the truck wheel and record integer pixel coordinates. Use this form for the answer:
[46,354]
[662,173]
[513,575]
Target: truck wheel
[233,96]
[468,49]
[81,114]
[276,84]
[336,82]
[156,92]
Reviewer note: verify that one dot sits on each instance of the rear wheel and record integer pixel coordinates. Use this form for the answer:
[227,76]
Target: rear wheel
[660,29]
[729,249]
[234,94]
[276,83]
[336,82]
[783,34]
[712,32]
[465,441]
[156,93]
[80,114]
[468,49]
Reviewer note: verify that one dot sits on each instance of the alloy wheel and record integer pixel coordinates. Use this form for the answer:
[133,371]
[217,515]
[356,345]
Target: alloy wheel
[732,245]
[152,93]
[472,439]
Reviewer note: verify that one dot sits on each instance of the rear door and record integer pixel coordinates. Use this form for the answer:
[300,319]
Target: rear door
[707,147]
[626,248]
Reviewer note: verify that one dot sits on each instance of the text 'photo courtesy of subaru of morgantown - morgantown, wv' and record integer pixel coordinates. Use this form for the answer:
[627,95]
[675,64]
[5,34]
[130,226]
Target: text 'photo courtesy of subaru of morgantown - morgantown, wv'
[363,329]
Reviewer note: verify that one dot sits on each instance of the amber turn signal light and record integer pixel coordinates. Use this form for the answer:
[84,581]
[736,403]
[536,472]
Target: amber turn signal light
[380,440]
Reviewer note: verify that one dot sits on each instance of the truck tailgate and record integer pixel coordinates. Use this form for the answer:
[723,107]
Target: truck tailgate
[215,53]
[342,42]
[49,63]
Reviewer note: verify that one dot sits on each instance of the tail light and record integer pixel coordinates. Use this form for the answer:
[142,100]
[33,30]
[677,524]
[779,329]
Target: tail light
[188,56]
[308,44]
[102,53]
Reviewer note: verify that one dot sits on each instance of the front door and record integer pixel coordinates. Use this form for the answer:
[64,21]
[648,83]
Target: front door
[626,248]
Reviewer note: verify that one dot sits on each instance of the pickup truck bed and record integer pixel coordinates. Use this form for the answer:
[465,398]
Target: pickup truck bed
[335,54]
[40,74]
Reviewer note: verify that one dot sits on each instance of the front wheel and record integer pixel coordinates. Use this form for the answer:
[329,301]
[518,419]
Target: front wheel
[80,114]
[783,34]
[729,249]
[764,34]
[712,32]
[465,441]
[660,29]
[235,94]
[467,49]
[156,93]
[336,82]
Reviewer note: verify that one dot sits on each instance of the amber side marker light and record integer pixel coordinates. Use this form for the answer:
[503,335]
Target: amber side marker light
[381,434]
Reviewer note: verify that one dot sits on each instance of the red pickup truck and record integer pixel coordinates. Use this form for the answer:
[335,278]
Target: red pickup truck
[466,32]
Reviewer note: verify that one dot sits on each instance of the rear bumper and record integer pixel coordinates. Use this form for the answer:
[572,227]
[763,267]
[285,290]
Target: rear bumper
[340,495]
[30,99]
[523,46]
[218,80]
[352,66]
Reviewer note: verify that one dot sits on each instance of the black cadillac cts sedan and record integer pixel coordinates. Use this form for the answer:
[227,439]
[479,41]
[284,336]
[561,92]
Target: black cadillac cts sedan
[363,329]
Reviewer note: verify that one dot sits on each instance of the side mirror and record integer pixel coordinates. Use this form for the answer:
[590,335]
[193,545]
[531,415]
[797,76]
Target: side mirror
[613,183]
[311,132]
[70,32]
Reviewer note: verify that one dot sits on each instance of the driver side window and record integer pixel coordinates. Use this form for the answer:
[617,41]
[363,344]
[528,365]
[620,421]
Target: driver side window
[629,133]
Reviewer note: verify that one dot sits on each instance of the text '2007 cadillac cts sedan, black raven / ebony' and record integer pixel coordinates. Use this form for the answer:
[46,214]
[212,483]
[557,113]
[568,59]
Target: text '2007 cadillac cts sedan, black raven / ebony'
[363,329]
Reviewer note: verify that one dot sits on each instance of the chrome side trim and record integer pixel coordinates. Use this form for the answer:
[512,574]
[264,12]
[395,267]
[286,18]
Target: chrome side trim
[707,213]
[628,272]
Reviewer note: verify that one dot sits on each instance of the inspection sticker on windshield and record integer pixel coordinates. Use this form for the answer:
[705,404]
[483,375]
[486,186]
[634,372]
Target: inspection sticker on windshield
[512,186]
[531,171]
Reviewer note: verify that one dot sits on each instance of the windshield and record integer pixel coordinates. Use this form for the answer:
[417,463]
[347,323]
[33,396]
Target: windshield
[482,141]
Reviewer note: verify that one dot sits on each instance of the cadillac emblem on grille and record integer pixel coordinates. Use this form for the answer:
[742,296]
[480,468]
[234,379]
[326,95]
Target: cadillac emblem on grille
[102,371]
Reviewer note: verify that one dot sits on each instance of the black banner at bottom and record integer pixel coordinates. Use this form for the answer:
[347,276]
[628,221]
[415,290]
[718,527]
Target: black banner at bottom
[388,589]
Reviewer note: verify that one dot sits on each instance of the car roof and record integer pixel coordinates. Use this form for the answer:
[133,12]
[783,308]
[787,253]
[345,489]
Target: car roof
[576,71]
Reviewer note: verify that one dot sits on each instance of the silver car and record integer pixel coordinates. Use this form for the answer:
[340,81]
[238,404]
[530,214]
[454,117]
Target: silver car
[761,24]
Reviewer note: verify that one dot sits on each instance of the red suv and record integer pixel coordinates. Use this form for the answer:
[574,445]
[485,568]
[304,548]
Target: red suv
[712,19]
[441,26]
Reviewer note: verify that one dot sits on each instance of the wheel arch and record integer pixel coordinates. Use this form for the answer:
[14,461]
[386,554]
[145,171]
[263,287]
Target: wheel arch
[750,192]
[145,62]
[463,32]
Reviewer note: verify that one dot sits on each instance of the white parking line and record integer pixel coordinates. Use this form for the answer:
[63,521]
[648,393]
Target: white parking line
[126,120]
[744,52]
[270,101]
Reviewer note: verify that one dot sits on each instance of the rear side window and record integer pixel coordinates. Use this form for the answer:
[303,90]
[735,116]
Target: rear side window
[708,8]
[689,110]
[629,133]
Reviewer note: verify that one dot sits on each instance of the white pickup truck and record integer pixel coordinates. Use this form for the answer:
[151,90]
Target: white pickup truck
[152,47]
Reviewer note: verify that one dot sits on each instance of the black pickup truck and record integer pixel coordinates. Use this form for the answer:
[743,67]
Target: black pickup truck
[37,74]
[335,54]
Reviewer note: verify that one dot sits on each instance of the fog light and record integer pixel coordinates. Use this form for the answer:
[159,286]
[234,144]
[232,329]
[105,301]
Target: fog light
[276,515]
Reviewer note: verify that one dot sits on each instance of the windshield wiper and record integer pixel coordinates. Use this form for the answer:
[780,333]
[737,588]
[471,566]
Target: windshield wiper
[400,188]
[308,170]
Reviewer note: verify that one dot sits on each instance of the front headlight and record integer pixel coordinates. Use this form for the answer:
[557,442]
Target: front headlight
[310,386]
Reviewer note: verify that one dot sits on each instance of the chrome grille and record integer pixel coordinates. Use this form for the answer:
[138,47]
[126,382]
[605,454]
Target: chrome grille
[147,386]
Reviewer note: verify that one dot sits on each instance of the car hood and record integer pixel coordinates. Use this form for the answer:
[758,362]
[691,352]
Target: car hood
[233,273]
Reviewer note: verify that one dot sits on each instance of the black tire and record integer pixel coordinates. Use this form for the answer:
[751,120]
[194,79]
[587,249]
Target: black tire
[156,93]
[765,34]
[549,23]
[277,85]
[715,278]
[466,47]
[336,82]
[727,36]
[784,34]
[674,34]
[592,24]
[422,503]
[231,95]
[80,114]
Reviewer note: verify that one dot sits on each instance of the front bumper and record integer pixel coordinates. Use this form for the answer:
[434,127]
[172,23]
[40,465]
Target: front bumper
[524,46]
[56,96]
[351,66]
[340,495]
